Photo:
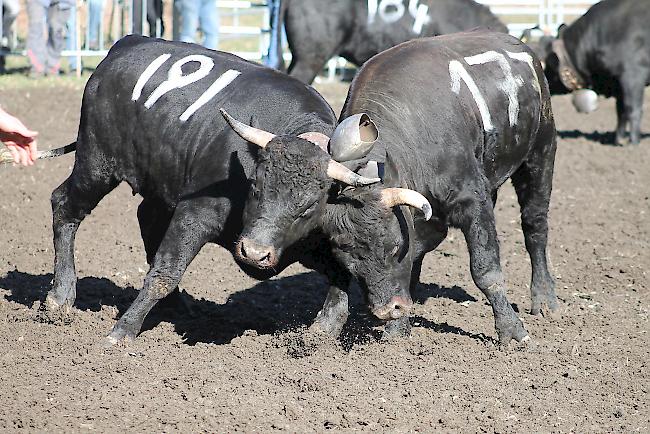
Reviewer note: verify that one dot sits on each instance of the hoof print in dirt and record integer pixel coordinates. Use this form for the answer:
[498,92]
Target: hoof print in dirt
[306,343]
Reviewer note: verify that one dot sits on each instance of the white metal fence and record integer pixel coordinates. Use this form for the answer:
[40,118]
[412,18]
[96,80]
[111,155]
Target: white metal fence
[520,15]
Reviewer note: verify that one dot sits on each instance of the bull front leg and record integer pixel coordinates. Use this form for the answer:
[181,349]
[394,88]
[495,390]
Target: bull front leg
[335,311]
[334,314]
[185,237]
[480,234]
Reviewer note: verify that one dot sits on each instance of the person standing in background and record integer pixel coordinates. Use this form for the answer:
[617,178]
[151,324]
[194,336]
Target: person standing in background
[199,15]
[44,55]
[9,12]
[10,9]
[154,16]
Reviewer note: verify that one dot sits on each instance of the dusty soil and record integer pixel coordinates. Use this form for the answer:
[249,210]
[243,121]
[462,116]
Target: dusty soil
[236,358]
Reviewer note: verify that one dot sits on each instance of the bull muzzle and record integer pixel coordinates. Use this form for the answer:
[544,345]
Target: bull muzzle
[397,307]
[258,255]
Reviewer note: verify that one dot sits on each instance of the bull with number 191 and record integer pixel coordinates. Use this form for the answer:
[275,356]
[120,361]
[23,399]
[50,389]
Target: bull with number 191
[150,118]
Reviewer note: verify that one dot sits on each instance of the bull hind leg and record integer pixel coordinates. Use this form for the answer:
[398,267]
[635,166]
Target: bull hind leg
[533,183]
[632,87]
[72,201]
[182,241]
[479,228]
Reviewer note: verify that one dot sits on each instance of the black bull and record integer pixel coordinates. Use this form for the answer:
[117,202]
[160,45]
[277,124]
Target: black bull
[317,30]
[606,50]
[150,118]
[457,116]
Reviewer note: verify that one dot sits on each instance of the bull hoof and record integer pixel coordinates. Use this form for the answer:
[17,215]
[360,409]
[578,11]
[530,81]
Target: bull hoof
[55,300]
[118,335]
[397,329]
[325,326]
[545,304]
[54,312]
[509,329]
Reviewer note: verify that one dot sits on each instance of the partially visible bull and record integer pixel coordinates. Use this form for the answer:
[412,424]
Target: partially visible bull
[606,51]
[457,115]
[317,30]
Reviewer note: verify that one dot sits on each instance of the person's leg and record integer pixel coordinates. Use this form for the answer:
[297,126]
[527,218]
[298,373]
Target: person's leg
[56,21]
[11,9]
[35,38]
[95,15]
[71,37]
[190,17]
[210,24]
[154,18]
[176,20]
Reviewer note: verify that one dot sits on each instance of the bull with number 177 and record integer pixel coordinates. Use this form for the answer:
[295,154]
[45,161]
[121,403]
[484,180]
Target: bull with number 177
[444,122]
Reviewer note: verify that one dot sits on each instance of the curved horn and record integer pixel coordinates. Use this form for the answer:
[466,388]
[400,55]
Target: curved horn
[353,138]
[318,139]
[254,135]
[336,170]
[391,197]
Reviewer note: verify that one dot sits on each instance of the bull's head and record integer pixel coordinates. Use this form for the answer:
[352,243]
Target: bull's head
[372,233]
[298,187]
[291,184]
[543,48]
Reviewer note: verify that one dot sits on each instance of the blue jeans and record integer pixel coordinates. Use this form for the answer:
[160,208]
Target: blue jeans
[95,15]
[71,36]
[199,14]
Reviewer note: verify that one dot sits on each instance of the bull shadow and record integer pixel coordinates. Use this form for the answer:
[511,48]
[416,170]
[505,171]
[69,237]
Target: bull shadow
[269,307]
[604,138]
[424,291]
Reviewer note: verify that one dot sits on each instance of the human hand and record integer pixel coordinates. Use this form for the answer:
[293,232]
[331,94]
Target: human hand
[18,138]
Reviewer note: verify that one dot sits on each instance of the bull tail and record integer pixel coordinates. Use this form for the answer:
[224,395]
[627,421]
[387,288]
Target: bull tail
[6,157]
[52,153]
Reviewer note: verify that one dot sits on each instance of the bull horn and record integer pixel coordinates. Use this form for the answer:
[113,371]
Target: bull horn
[391,197]
[353,138]
[254,135]
[339,172]
[318,139]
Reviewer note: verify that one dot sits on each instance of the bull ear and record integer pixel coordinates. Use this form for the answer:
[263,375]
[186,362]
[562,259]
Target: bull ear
[353,138]
[527,34]
[561,29]
[318,139]
[391,173]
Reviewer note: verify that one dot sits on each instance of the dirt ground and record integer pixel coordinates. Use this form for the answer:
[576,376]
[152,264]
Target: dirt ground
[235,357]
